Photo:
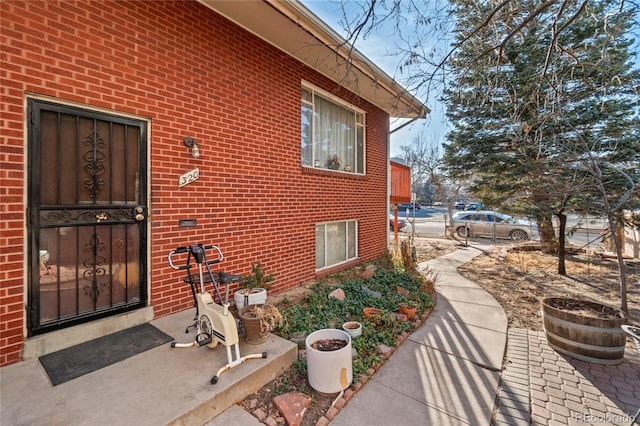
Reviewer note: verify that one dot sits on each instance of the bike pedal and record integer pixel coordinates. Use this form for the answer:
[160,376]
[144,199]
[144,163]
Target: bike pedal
[203,339]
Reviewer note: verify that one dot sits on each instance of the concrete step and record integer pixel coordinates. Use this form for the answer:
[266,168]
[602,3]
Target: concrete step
[162,386]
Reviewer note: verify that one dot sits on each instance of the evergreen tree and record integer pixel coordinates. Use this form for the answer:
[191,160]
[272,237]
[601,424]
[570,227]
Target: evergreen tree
[527,106]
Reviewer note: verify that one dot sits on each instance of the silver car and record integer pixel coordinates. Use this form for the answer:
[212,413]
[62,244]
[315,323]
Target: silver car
[488,223]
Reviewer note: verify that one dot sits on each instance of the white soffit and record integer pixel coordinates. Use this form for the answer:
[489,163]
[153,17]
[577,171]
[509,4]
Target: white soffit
[292,28]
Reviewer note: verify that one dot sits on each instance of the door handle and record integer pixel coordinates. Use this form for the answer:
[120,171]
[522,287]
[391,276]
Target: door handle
[139,213]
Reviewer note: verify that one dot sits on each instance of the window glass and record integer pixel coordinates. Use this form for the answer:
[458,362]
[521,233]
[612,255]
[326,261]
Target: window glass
[306,95]
[360,149]
[307,146]
[320,248]
[332,134]
[336,242]
[351,240]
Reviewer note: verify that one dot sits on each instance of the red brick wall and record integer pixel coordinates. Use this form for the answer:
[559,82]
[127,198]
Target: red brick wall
[193,74]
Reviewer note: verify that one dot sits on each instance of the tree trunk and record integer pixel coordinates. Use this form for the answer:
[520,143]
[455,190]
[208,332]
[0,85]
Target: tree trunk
[617,243]
[547,235]
[562,226]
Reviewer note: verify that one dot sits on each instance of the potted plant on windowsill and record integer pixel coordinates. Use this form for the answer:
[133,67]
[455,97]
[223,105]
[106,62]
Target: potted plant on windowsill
[254,287]
[333,163]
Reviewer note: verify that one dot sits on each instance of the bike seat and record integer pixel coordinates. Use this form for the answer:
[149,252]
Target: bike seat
[228,278]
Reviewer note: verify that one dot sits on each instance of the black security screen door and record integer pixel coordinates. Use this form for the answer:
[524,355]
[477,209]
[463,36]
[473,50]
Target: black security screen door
[87,215]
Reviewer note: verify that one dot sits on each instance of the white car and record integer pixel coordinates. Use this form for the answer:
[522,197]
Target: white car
[488,223]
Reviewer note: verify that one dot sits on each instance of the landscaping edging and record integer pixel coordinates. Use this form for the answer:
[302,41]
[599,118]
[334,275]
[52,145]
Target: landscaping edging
[347,395]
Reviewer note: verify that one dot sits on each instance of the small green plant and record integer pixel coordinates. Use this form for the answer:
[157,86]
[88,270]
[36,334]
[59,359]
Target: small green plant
[409,304]
[287,383]
[258,278]
[317,310]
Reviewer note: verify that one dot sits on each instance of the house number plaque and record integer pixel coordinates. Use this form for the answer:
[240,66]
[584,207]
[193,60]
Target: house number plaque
[189,177]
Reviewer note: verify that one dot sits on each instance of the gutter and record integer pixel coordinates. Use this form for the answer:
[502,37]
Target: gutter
[407,123]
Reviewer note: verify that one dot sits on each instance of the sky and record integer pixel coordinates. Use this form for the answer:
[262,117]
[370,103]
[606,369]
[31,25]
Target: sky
[377,48]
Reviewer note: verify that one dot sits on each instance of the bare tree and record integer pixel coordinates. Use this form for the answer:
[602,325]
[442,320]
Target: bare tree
[426,162]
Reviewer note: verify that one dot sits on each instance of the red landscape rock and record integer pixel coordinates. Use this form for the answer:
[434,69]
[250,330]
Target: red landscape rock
[292,405]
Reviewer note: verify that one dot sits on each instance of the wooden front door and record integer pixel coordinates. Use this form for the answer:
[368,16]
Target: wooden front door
[87,215]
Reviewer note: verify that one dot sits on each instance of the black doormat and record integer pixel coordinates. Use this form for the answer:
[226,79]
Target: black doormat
[76,361]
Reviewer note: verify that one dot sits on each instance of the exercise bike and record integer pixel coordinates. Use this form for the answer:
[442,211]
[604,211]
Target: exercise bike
[213,322]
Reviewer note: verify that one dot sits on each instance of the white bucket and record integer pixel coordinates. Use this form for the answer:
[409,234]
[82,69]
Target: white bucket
[257,297]
[329,371]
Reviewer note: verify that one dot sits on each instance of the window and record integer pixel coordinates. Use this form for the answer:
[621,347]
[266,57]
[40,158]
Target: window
[332,133]
[336,242]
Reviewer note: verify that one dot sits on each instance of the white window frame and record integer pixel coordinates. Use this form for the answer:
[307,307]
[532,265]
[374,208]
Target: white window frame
[360,119]
[325,254]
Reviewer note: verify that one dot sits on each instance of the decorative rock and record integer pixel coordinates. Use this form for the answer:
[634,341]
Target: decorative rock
[302,354]
[292,405]
[367,273]
[372,293]
[403,291]
[270,421]
[386,350]
[401,317]
[253,404]
[337,294]
[259,414]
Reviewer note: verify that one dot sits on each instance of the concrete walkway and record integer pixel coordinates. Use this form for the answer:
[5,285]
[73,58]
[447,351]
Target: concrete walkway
[454,371]
[448,371]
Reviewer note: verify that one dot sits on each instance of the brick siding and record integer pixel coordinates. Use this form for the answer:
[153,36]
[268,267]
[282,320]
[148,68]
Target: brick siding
[191,73]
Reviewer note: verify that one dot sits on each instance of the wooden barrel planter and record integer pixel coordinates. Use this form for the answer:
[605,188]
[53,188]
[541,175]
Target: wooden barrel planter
[584,330]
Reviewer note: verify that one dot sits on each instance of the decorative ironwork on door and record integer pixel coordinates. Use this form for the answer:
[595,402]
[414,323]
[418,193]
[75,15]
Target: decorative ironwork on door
[87,215]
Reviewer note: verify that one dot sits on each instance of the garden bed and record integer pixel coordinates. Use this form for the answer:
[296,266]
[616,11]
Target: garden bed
[307,309]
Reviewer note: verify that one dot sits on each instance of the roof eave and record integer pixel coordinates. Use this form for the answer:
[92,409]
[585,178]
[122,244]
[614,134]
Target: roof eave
[295,30]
